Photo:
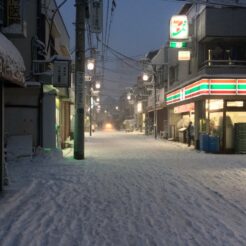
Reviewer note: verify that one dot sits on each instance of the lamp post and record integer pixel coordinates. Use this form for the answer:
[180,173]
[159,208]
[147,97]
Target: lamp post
[90,67]
[155,112]
[146,78]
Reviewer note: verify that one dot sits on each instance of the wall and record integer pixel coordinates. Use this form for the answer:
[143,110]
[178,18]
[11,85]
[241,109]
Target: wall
[222,22]
[49,121]
[22,112]
[24,44]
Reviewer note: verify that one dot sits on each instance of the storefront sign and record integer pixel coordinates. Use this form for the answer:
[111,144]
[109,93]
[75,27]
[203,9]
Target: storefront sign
[208,87]
[175,44]
[179,28]
[184,108]
[184,55]
[215,104]
[235,104]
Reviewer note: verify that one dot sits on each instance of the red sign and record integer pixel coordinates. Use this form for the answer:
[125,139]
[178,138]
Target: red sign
[184,108]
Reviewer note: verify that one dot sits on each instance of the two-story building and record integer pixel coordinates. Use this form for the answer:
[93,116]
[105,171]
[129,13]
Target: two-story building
[41,109]
[209,89]
[12,70]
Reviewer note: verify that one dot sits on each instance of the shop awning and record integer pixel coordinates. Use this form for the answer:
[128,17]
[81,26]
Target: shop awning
[11,63]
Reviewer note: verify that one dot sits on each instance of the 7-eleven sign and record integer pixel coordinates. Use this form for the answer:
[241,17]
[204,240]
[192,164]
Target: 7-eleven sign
[179,27]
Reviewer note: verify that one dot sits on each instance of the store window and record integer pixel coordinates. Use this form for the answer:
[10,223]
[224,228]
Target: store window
[216,124]
[214,114]
[231,119]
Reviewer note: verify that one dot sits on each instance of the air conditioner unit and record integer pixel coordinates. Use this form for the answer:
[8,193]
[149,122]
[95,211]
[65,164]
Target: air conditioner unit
[39,67]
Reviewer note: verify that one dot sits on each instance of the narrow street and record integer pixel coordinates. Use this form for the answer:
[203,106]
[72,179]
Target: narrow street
[131,190]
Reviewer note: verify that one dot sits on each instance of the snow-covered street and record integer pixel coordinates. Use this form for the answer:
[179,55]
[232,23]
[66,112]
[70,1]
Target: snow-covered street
[131,190]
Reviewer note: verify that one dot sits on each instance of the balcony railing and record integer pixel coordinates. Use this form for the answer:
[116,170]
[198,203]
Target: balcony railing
[223,63]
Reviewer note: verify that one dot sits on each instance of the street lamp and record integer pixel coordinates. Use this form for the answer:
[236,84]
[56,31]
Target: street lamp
[90,64]
[98,85]
[128,96]
[145,77]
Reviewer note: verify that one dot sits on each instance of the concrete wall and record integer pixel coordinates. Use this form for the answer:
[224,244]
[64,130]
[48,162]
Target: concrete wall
[49,121]
[24,44]
[223,22]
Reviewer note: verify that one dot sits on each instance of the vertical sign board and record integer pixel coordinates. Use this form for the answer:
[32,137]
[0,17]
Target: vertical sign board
[179,27]
[96,16]
[79,90]
[61,74]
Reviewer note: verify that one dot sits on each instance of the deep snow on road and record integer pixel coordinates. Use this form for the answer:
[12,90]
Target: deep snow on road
[130,190]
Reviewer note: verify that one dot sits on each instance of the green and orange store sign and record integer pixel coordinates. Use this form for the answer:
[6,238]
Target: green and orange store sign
[205,87]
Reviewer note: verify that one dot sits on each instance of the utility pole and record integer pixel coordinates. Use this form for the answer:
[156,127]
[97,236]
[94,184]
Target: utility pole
[155,111]
[90,98]
[79,80]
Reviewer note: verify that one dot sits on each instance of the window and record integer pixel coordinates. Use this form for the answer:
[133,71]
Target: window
[1,12]
[12,17]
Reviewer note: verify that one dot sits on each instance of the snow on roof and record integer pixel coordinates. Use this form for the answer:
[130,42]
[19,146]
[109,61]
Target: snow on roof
[12,59]
[158,59]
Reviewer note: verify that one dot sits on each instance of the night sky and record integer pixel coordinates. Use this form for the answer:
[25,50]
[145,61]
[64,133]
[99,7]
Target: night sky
[138,26]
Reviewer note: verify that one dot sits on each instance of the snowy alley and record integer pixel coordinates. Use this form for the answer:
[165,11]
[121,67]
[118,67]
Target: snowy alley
[131,190]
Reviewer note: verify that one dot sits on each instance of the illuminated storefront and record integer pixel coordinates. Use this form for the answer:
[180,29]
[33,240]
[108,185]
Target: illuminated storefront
[218,105]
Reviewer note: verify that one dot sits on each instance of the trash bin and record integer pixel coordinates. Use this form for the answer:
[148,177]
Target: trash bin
[204,141]
[214,144]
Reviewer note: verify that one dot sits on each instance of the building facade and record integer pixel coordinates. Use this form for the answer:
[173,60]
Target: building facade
[41,109]
[210,88]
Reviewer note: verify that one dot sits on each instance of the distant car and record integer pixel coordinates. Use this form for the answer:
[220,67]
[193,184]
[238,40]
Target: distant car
[108,126]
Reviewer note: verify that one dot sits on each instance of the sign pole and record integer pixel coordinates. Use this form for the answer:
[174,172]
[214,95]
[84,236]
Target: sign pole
[79,80]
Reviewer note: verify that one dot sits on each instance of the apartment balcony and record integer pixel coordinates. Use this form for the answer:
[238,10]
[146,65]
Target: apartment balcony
[223,67]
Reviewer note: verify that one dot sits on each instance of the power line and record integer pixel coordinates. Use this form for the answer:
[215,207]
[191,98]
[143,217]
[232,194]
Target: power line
[129,65]
[119,53]
[110,70]
[106,26]
[113,6]
[52,22]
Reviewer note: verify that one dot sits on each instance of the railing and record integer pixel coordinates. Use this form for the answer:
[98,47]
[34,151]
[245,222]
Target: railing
[223,63]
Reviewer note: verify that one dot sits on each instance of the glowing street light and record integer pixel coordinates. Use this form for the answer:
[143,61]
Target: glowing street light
[90,64]
[98,85]
[145,77]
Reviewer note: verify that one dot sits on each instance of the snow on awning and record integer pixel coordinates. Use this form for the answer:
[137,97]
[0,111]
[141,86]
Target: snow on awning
[11,63]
